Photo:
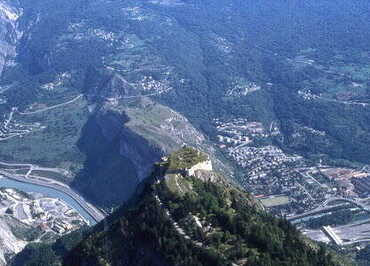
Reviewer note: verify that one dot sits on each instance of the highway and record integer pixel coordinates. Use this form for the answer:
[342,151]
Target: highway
[95,213]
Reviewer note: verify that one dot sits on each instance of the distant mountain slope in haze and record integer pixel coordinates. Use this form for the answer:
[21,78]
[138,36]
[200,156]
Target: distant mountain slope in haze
[199,61]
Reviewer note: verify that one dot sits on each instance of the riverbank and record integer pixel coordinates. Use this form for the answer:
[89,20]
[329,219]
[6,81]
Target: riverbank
[51,190]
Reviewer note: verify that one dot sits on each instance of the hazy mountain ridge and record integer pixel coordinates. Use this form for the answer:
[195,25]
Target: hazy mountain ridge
[188,60]
[49,56]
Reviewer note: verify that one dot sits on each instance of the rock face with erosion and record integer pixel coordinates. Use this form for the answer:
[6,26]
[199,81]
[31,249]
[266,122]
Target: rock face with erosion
[9,33]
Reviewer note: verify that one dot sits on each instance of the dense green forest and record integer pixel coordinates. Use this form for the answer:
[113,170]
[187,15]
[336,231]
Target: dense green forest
[49,254]
[233,230]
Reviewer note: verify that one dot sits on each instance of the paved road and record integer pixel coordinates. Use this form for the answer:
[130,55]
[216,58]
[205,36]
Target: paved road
[51,107]
[313,212]
[33,167]
[9,119]
[95,213]
[138,96]
[343,102]
[323,207]
[307,174]
[355,202]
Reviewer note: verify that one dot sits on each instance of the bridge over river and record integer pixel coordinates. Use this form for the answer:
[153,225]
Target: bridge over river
[324,207]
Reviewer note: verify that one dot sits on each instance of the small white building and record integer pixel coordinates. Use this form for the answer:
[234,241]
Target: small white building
[205,166]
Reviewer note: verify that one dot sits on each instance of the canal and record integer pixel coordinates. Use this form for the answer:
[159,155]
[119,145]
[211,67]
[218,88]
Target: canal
[47,191]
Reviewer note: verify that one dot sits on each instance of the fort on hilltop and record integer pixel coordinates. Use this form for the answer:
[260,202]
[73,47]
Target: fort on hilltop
[187,161]
[202,166]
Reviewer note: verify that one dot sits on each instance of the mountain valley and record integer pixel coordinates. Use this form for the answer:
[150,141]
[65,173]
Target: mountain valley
[93,93]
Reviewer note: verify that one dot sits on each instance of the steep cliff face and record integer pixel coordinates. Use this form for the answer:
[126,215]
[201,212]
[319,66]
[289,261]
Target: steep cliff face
[10,11]
[121,144]
[10,244]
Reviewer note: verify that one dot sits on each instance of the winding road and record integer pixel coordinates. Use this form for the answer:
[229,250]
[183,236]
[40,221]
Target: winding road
[11,133]
[49,108]
[96,214]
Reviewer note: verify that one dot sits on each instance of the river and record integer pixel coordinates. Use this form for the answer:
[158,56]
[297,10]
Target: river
[47,191]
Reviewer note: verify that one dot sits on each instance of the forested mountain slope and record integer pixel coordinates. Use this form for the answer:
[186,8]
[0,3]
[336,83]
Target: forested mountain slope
[186,220]
[99,90]
[196,220]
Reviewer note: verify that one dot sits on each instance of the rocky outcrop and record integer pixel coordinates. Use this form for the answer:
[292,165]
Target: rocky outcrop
[9,243]
[9,33]
[141,152]
[117,87]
